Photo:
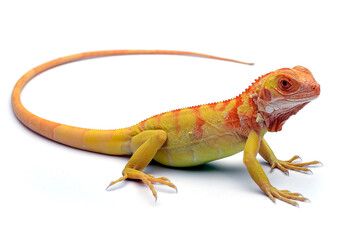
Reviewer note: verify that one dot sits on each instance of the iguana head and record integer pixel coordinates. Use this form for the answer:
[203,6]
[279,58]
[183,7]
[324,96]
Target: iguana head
[283,93]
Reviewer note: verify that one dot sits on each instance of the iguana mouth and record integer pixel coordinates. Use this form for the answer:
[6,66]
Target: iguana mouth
[302,99]
[305,96]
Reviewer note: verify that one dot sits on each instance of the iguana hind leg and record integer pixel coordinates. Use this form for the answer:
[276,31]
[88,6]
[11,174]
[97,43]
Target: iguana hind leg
[144,146]
[266,152]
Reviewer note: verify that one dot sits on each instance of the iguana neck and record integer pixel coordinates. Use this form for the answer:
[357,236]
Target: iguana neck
[248,109]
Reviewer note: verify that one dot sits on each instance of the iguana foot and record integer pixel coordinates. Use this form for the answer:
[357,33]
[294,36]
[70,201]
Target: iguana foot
[285,165]
[145,178]
[283,195]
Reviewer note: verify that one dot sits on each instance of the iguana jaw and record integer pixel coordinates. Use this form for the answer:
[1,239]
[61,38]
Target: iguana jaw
[275,120]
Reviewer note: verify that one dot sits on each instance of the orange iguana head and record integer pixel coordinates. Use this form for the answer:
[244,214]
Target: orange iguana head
[283,93]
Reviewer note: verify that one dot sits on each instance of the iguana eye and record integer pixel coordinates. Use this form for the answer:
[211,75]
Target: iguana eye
[285,84]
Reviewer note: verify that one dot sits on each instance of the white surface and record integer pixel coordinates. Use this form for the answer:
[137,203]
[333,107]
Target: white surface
[50,191]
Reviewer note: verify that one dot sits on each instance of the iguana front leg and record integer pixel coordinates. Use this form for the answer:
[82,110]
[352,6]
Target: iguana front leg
[255,170]
[144,147]
[266,152]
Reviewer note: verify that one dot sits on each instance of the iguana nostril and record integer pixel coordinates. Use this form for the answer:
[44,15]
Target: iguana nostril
[316,88]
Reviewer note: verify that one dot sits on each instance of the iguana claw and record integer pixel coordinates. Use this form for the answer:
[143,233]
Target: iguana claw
[145,178]
[283,195]
[285,165]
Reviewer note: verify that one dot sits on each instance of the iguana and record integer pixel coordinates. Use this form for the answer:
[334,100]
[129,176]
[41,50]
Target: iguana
[195,135]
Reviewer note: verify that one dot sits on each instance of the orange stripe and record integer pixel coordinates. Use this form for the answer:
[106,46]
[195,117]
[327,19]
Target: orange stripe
[224,105]
[212,105]
[198,131]
[232,119]
[175,116]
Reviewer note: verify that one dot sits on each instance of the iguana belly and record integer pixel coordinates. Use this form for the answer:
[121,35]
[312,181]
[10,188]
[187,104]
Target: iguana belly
[198,152]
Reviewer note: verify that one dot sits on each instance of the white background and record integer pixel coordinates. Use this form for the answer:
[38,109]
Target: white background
[50,191]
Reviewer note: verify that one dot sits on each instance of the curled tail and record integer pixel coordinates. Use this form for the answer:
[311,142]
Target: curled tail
[104,141]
